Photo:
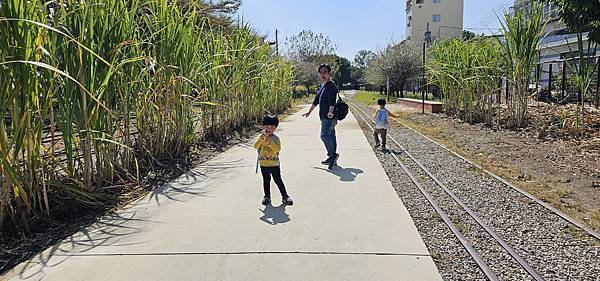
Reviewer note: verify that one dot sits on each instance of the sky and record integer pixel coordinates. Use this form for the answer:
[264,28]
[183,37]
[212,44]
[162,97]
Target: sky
[354,25]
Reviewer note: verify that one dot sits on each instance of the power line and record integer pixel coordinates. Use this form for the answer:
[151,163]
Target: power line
[495,16]
[486,23]
[492,15]
[465,28]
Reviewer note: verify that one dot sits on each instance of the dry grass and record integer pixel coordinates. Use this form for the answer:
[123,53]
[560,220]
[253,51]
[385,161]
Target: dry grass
[544,188]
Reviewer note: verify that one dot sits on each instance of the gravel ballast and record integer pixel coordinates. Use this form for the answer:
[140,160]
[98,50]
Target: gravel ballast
[557,249]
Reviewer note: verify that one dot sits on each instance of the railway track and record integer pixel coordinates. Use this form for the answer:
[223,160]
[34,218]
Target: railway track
[420,177]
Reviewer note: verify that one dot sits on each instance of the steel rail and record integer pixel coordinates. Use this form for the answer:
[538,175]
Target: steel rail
[558,212]
[485,268]
[530,270]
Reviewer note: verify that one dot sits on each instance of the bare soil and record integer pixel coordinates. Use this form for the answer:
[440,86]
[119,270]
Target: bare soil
[547,159]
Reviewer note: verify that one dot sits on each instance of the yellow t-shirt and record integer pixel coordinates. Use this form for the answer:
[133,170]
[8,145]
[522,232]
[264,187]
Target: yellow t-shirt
[268,150]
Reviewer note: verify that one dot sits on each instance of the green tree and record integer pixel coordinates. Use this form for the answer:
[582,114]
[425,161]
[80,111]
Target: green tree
[468,35]
[523,31]
[362,58]
[219,13]
[580,16]
[345,73]
[361,62]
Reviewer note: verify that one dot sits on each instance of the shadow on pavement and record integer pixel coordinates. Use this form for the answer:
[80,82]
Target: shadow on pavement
[189,184]
[274,215]
[345,174]
[109,230]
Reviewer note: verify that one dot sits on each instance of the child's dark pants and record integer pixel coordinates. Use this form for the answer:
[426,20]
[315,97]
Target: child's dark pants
[383,133]
[275,172]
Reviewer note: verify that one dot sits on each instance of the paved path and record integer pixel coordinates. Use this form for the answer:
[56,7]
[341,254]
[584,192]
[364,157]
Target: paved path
[346,224]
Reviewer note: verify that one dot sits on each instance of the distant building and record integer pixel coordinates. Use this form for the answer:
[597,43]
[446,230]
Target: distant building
[555,44]
[444,17]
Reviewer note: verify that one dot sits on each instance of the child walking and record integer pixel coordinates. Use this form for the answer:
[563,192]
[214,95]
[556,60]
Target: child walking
[268,146]
[381,120]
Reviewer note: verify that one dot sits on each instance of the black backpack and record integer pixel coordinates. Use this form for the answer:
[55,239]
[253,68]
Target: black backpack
[341,108]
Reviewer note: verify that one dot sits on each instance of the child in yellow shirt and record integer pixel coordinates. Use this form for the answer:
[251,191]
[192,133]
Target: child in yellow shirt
[268,145]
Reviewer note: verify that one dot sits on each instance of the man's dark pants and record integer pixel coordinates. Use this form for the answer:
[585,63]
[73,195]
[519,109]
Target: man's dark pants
[328,136]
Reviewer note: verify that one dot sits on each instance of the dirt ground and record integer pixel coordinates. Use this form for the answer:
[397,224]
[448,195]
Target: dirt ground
[561,171]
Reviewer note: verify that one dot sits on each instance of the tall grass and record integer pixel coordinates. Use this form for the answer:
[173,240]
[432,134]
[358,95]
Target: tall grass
[584,69]
[468,74]
[523,31]
[94,93]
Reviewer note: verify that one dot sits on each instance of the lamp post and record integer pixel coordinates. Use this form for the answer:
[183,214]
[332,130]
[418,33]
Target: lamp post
[426,39]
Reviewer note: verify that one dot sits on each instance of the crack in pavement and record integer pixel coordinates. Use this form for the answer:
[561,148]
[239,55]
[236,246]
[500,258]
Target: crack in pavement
[245,253]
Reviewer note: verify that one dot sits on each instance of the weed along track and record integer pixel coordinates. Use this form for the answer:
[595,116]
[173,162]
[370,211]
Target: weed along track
[477,226]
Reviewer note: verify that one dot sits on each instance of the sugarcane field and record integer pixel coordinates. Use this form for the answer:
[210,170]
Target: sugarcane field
[300,140]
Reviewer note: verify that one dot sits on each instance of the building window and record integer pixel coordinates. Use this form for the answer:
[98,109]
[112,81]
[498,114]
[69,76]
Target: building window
[437,1]
[437,18]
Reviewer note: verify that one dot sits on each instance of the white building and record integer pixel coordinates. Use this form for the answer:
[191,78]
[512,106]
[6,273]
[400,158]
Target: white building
[444,18]
[556,44]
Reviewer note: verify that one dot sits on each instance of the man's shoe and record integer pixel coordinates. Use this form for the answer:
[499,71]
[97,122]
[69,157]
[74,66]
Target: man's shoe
[333,161]
[266,201]
[377,145]
[326,161]
[288,201]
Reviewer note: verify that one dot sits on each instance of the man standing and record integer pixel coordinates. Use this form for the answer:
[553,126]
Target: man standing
[326,99]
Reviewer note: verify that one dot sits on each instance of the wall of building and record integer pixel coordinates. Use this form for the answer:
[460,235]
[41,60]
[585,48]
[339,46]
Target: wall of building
[554,47]
[421,12]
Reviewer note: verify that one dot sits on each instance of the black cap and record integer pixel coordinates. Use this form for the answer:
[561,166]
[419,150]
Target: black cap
[324,65]
[270,120]
[381,101]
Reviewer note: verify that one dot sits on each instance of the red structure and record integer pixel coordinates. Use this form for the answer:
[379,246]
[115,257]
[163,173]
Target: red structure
[430,106]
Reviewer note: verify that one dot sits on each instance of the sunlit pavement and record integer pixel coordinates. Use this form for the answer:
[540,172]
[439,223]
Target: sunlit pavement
[347,223]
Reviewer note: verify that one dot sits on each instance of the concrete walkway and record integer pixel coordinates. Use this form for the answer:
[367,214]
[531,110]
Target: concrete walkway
[346,224]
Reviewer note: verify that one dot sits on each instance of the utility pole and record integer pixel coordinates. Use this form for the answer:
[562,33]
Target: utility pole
[423,81]
[426,38]
[277,42]
[387,88]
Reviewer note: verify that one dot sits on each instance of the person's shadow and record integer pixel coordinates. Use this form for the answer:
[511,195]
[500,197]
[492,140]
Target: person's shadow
[274,215]
[345,174]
